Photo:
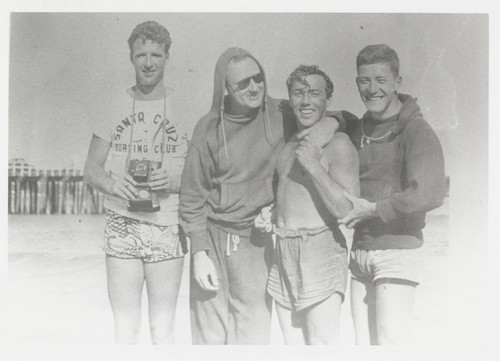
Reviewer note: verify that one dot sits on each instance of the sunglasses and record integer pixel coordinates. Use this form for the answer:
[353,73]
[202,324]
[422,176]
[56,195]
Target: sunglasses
[245,83]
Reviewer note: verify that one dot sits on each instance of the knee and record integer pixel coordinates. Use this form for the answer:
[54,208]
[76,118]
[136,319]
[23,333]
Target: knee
[315,338]
[162,333]
[391,337]
[162,338]
[126,336]
[127,330]
[321,336]
[383,339]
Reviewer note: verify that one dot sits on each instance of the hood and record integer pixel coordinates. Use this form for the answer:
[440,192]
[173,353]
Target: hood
[217,108]
[409,111]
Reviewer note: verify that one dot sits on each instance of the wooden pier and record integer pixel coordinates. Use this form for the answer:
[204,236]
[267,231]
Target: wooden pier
[58,194]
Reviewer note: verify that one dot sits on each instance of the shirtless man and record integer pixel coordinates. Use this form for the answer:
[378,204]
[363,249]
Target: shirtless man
[308,277]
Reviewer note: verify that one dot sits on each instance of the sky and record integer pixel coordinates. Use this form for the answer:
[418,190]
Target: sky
[64,67]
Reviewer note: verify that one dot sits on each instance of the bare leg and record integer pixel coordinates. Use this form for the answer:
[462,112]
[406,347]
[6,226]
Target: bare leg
[125,280]
[394,307]
[292,332]
[163,280]
[323,321]
[363,312]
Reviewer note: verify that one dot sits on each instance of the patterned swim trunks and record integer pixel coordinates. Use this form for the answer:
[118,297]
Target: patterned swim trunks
[130,238]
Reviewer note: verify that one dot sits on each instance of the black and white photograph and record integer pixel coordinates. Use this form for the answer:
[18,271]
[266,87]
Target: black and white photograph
[245,181]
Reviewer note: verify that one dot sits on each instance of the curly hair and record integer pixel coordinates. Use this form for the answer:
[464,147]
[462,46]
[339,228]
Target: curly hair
[150,30]
[378,53]
[302,71]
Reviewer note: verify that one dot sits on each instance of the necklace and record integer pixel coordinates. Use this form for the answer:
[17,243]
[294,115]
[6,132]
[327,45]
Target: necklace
[365,140]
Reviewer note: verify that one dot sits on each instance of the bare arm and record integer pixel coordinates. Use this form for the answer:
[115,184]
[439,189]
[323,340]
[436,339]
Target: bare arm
[342,175]
[97,177]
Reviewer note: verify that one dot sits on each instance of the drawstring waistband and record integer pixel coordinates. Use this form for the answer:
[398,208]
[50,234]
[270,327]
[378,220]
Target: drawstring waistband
[301,232]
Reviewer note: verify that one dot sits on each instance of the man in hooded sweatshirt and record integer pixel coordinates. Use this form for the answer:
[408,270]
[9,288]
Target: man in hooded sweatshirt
[227,180]
[401,178]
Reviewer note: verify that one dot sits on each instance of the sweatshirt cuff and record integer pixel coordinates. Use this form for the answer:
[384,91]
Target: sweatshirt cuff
[199,241]
[386,211]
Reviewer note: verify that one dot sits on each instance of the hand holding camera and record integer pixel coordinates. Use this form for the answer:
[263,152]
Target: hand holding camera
[124,187]
[146,199]
[160,180]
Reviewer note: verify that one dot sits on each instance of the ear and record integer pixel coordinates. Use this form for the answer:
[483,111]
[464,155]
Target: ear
[399,81]
[329,102]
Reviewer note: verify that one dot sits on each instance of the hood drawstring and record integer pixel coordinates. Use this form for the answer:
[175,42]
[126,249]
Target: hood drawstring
[267,122]
[223,131]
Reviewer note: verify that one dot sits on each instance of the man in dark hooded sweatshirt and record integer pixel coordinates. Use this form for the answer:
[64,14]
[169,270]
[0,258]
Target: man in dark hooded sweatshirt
[401,178]
[227,180]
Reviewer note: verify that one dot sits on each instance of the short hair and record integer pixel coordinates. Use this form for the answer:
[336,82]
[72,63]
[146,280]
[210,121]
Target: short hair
[150,30]
[378,53]
[302,71]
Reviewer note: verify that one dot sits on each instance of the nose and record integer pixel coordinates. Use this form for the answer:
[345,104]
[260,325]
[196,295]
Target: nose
[373,88]
[253,87]
[148,62]
[305,98]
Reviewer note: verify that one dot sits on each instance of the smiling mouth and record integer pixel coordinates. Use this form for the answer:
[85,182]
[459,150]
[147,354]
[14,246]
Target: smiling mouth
[374,98]
[306,112]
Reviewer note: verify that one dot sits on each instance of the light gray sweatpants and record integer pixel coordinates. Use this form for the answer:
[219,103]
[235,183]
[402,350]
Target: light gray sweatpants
[240,311]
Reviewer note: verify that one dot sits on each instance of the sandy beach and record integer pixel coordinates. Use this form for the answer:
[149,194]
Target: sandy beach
[57,285]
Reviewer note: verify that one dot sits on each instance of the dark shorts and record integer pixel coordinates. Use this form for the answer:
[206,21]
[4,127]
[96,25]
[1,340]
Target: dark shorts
[309,266]
[130,238]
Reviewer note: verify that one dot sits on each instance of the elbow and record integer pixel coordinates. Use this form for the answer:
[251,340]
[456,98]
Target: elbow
[90,173]
[86,172]
[436,198]
[436,202]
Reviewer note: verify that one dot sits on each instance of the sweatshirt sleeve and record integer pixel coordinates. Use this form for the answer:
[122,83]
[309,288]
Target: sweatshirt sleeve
[344,118]
[195,190]
[424,178]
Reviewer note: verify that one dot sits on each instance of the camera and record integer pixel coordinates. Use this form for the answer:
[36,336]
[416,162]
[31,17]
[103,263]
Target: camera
[147,200]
